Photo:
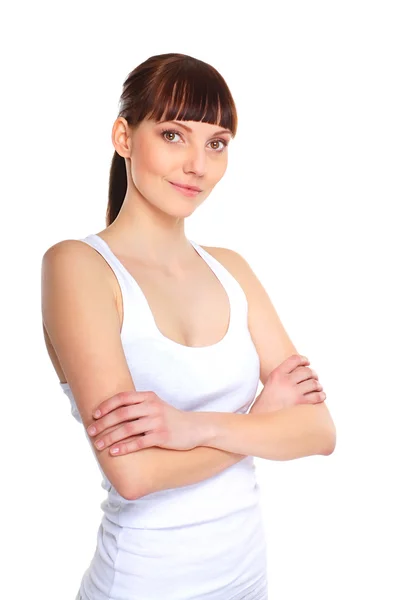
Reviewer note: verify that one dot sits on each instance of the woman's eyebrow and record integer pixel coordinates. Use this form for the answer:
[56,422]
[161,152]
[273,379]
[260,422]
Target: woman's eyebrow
[190,130]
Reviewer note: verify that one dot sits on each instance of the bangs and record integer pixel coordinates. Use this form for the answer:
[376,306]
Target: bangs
[193,96]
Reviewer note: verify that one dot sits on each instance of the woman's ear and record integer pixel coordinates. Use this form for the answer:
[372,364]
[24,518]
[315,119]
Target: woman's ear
[121,137]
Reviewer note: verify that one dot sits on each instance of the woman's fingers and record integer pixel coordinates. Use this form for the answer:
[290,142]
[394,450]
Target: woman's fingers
[293,362]
[311,392]
[111,403]
[120,399]
[310,385]
[135,443]
[119,416]
[126,430]
[303,373]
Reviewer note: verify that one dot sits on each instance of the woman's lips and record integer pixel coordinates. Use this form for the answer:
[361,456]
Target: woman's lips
[185,191]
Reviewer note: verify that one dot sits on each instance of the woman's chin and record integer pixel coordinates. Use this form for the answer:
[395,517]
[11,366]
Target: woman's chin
[180,210]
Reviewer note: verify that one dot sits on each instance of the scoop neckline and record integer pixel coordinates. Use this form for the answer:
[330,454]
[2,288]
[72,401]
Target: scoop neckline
[158,334]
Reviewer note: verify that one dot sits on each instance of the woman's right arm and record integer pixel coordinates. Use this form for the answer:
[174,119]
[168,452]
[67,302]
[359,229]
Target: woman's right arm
[81,318]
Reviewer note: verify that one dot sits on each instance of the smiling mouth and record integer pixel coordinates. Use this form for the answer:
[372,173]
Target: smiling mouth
[186,187]
[185,191]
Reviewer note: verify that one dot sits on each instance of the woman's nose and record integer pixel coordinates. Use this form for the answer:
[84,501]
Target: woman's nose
[195,161]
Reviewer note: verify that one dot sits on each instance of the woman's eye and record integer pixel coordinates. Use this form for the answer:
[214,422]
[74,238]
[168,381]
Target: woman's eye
[168,131]
[219,142]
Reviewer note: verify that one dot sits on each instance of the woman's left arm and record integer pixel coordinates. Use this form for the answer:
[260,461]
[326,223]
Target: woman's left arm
[294,432]
[297,431]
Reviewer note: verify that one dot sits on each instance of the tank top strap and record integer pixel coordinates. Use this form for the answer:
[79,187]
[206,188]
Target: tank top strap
[237,297]
[137,318]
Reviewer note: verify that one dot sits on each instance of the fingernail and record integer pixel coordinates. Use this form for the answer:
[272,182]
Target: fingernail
[114,450]
[91,430]
[97,413]
[99,444]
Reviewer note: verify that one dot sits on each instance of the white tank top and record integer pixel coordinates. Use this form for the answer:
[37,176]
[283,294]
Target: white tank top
[204,541]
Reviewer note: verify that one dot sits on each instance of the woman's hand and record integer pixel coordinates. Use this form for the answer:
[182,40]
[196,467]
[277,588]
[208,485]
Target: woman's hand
[289,384]
[134,420]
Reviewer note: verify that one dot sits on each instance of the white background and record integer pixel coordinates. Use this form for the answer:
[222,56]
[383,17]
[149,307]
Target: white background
[308,199]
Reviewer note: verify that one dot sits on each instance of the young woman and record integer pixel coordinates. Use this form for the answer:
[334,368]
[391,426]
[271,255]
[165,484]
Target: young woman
[169,339]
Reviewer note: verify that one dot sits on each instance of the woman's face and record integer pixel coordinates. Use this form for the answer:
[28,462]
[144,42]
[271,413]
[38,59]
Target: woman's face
[183,152]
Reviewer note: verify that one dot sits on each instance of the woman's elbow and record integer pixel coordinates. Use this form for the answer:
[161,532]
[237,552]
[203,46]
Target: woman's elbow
[329,441]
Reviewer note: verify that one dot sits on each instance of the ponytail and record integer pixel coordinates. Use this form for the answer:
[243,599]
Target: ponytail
[117,187]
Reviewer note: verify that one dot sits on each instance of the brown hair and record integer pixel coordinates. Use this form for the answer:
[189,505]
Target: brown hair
[169,87]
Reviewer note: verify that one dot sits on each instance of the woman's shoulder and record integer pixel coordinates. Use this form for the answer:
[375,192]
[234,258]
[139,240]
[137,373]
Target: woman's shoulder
[230,259]
[72,254]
